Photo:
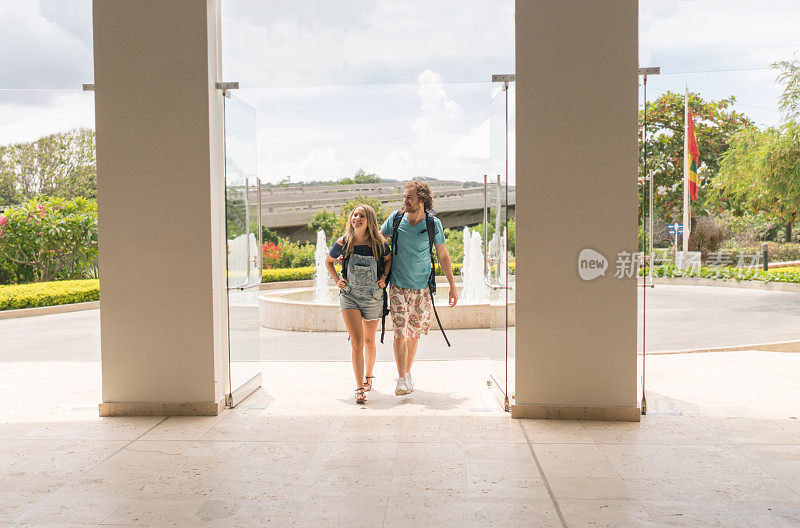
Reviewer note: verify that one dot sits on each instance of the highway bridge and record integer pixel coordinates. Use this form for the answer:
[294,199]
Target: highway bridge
[288,210]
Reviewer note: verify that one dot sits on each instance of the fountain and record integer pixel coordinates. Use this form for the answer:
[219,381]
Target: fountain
[474,289]
[322,281]
[312,306]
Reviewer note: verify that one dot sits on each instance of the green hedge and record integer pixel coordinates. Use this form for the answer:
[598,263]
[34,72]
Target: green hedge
[727,273]
[48,293]
[287,274]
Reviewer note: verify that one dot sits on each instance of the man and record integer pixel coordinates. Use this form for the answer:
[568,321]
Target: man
[409,296]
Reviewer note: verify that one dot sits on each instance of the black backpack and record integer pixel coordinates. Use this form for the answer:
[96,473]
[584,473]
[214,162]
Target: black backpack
[430,227]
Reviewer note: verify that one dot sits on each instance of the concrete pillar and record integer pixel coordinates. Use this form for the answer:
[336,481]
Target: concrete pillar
[161,206]
[576,71]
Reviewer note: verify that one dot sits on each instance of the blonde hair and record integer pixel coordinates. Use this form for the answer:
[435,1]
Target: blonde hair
[373,234]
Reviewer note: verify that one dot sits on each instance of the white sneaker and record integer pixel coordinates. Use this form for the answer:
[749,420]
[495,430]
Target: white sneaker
[409,382]
[401,388]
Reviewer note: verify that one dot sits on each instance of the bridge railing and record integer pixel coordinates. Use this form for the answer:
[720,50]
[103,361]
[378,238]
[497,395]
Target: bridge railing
[384,198]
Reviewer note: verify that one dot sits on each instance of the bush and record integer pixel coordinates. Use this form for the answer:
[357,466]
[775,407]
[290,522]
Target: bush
[326,221]
[454,242]
[52,239]
[286,254]
[287,274]
[706,236]
[783,252]
[777,252]
[726,273]
[48,294]
[746,229]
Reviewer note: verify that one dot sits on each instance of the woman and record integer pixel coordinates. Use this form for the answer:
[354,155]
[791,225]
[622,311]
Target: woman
[365,266]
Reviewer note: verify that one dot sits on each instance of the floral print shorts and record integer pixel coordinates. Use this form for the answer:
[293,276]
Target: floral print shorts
[411,311]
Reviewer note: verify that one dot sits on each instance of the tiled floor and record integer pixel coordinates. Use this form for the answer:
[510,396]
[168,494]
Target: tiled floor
[299,453]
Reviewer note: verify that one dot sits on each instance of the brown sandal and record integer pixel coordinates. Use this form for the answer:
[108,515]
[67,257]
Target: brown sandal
[361,396]
[368,383]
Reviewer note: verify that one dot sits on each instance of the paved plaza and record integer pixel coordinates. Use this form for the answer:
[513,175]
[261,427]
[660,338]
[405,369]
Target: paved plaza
[719,447]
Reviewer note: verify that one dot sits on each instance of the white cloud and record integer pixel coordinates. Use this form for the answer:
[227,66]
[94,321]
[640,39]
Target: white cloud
[29,115]
[45,45]
[700,35]
[440,140]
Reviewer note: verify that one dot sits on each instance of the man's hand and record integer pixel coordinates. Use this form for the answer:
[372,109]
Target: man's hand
[342,283]
[453,296]
[382,281]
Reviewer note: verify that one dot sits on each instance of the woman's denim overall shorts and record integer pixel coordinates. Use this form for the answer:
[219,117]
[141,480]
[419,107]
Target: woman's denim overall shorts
[362,291]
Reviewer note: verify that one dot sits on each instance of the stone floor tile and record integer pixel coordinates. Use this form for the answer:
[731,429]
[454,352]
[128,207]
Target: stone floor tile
[155,512]
[432,450]
[236,513]
[488,468]
[506,489]
[646,461]
[477,451]
[591,488]
[365,450]
[695,513]
[345,512]
[427,511]
[574,460]
[528,514]
[69,507]
[605,513]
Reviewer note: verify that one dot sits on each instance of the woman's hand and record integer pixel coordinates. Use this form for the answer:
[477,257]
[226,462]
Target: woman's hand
[382,281]
[342,283]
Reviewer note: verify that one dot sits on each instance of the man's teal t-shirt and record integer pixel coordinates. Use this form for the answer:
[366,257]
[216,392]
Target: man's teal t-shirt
[411,265]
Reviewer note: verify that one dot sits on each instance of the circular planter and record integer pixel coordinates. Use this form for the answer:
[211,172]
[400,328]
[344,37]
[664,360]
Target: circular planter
[294,309]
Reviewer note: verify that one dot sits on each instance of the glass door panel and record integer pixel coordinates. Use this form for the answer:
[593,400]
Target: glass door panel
[510,238]
[243,246]
[496,248]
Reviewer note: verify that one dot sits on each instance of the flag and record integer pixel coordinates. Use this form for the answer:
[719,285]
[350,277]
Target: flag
[694,180]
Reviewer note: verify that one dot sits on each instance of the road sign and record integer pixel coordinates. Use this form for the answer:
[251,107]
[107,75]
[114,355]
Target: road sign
[672,228]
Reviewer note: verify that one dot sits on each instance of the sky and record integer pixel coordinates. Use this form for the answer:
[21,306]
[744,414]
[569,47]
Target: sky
[400,88]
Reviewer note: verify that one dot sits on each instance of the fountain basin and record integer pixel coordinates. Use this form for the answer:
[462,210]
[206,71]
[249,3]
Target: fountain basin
[295,309]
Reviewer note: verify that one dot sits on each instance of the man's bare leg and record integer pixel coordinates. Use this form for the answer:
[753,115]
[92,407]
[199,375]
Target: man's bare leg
[400,355]
[411,348]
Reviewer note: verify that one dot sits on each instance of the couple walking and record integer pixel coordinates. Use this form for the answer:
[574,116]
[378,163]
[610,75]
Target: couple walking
[370,264]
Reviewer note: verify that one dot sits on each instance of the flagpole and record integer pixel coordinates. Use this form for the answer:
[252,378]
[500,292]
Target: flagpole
[687,212]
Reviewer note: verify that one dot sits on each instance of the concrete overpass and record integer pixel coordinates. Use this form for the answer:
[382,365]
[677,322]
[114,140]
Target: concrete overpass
[288,210]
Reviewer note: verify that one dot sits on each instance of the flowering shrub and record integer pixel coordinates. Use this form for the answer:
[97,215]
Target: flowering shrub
[272,255]
[286,254]
[48,240]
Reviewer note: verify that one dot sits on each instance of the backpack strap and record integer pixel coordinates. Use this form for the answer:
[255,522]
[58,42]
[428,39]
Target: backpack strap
[398,217]
[430,227]
[345,259]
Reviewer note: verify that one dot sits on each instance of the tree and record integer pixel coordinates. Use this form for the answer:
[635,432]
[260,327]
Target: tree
[789,100]
[326,221]
[59,165]
[761,173]
[55,238]
[344,214]
[8,190]
[715,124]
[360,177]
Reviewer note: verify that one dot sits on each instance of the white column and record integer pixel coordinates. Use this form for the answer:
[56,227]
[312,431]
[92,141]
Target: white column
[161,206]
[576,76]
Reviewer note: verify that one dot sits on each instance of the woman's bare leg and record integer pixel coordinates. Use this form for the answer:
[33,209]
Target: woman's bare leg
[369,345]
[352,320]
